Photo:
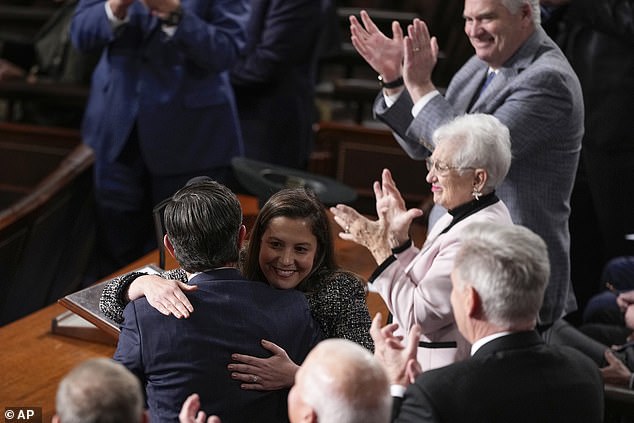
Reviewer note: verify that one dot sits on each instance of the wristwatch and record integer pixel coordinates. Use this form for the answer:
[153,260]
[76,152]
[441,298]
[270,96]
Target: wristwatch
[398,82]
[174,17]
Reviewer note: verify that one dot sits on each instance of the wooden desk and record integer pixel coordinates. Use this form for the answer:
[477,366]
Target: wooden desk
[34,360]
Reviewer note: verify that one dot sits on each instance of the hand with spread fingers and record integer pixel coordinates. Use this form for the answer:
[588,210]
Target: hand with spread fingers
[358,228]
[390,207]
[383,54]
[420,57]
[165,295]
[398,359]
[264,374]
[191,412]
[389,231]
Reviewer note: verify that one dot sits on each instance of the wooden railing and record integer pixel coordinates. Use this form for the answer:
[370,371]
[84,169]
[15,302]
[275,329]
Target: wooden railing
[46,224]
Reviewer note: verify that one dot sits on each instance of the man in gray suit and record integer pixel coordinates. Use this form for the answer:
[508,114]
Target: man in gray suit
[532,90]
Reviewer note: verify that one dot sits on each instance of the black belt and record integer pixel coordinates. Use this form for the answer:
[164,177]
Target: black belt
[448,344]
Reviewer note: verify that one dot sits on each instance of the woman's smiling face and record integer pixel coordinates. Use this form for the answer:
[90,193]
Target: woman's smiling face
[287,252]
[451,187]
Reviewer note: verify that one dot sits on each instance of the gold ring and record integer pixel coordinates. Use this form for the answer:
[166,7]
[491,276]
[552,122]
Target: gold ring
[254,379]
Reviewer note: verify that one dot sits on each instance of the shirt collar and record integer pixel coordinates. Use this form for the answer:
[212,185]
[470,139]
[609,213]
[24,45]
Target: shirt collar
[482,341]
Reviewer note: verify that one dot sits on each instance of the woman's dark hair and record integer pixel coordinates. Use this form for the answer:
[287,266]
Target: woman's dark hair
[293,203]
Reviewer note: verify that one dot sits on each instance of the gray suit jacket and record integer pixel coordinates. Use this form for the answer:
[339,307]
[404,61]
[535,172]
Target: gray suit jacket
[538,96]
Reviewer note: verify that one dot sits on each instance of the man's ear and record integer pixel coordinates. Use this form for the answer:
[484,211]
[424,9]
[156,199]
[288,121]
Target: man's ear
[526,12]
[168,245]
[242,234]
[55,419]
[473,302]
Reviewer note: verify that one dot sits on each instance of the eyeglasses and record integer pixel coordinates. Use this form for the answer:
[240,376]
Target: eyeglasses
[441,168]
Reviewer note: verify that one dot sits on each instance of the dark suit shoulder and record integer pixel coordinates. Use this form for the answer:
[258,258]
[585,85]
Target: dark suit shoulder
[506,385]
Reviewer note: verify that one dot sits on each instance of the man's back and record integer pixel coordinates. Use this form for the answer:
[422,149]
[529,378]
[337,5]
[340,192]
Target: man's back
[175,358]
[516,378]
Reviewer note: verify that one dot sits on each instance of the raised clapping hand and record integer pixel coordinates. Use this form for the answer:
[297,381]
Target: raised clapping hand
[420,57]
[399,360]
[191,412]
[389,231]
[414,56]
[120,7]
[264,374]
[383,54]
[161,8]
[390,207]
[165,295]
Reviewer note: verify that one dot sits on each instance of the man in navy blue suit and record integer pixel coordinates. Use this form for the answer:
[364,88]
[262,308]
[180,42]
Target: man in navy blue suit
[274,79]
[177,357]
[161,108]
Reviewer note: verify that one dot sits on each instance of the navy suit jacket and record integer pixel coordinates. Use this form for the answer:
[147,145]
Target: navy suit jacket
[516,378]
[175,89]
[175,358]
[274,79]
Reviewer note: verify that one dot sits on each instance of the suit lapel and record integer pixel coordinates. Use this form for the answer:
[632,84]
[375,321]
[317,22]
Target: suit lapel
[511,69]
[463,90]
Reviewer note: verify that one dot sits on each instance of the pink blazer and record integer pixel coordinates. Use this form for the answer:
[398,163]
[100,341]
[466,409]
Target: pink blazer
[416,288]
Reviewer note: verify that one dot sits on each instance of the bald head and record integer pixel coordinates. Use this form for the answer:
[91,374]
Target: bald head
[340,381]
[99,390]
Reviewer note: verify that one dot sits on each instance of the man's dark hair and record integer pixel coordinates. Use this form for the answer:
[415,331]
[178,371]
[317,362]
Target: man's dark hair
[203,221]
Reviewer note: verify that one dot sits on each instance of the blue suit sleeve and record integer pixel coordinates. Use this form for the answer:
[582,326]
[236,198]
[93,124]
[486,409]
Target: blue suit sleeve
[128,350]
[285,32]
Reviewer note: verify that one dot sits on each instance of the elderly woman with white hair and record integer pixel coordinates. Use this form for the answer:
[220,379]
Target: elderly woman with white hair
[471,158]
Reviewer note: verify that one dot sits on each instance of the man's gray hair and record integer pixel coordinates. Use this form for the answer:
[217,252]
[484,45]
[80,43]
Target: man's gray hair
[99,390]
[514,6]
[347,384]
[478,141]
[508,266]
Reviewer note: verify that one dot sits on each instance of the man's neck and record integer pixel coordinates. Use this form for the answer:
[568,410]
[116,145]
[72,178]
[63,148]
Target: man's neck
[191,275]
[483,329]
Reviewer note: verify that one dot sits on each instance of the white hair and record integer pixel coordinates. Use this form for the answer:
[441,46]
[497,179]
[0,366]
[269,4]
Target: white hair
[478,141]
[514,6]
[99,390]
[508,266]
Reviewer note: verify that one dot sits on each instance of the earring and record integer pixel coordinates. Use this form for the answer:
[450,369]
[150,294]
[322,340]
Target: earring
[476,193]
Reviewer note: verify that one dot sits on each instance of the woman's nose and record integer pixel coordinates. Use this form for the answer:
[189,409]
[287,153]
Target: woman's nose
[430,176]
[287,257]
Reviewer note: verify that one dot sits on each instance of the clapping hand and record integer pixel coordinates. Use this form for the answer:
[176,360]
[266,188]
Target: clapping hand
[398,359]
[383,54]
[191,412]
